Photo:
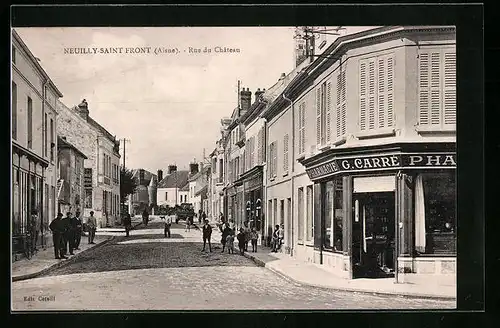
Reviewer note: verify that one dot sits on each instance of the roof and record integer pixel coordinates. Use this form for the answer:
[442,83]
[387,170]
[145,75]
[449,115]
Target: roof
[62,143]
[185,188]
[176,179]
[195,176]
[102,129]
[202,191]
[147,176]
[35,61]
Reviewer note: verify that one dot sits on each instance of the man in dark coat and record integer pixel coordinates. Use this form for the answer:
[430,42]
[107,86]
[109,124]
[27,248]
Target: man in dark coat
[127,222]
[207,234]
[77,225]
[68,235]
[57,228]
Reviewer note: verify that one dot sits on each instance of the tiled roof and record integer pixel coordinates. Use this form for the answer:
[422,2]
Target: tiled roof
[147,176]
[177,179]
[195,176]
[62,143]
[185,188]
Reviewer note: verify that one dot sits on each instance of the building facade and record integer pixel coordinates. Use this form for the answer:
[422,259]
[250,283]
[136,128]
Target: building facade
[71,192]
[373,156]
[144,196]
[34,145]
[169,188]
[218,174]
[102,166]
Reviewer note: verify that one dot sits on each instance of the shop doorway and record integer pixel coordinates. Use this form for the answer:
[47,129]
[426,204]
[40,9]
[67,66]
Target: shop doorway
[373,235]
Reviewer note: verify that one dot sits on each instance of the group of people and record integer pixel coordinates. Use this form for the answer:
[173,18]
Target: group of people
[67,233]
[244,236]
[278,237]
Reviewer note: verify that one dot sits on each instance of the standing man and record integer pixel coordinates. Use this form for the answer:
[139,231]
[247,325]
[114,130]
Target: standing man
[246,231]
[67,234]
[200,213]
[127,222]
[92,224]
[168,224]
[207,234]
[77,226]
[56,226]
[34,229]
[204,216]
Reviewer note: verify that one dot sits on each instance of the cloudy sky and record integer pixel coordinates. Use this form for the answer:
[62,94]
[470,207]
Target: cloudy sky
[168,105]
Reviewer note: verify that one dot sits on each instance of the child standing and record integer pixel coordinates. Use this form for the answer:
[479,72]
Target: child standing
[241,240]
[253,237]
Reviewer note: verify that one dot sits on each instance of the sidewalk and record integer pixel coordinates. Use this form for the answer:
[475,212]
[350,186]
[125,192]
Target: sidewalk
[315,275]
[44,260]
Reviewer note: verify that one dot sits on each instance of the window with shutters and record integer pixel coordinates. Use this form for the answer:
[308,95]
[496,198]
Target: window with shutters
[285,154]
[328,111]
[340,108]
[259,147]
[272,160]
[252,151]
[30,123]
[376,93]
[321,125]
[437,89]
[302,128]
[275,159]
[14,110]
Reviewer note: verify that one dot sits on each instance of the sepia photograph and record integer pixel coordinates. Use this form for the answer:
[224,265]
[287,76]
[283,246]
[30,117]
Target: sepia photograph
[234,168]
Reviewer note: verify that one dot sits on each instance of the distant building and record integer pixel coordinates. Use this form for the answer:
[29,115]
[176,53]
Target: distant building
[168,192]
[143,197]
[34,144]
[71,191]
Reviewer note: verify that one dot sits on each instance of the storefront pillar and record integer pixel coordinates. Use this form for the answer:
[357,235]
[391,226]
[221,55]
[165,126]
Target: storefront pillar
[404,223]
[317,220]
[347,224]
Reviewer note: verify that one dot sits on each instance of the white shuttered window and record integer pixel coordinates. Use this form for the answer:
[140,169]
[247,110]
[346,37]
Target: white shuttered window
[285,153]
[437,88]
[376,93]
[302,128]
[340,112]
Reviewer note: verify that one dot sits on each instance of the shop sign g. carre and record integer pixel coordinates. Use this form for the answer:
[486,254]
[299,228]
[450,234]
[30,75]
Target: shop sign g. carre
[383,162]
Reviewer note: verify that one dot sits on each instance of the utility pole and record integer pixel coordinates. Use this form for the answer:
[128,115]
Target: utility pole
[124,143]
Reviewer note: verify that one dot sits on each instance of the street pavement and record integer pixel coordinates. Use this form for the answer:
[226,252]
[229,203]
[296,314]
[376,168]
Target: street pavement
[149,272]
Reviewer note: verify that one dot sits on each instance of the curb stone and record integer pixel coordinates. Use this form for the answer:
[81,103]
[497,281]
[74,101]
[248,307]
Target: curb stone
[59,264]
[352,290]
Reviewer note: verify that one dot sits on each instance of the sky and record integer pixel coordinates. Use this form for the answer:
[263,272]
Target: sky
[168,105]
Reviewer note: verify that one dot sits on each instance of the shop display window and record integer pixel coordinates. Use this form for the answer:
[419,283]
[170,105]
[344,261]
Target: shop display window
[333,215]
[435,214]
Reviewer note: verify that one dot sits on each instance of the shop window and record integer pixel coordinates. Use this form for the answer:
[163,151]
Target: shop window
[300,214]
[333,215]
[309,213]
[435,214]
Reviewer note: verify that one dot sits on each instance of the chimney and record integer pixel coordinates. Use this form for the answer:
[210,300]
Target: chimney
[83,109]
[160,175]
[172,168]
[258,93]
[245,100]
[193,168]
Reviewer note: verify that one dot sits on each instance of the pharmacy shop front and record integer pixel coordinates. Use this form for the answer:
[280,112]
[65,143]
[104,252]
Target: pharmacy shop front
[386,212]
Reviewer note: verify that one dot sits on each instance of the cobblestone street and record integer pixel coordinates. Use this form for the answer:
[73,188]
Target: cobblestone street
[147,271]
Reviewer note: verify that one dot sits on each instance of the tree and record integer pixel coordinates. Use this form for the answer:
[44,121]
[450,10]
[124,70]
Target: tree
[127,183]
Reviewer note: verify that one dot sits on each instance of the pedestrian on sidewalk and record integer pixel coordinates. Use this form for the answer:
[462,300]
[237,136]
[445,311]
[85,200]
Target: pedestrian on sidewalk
[241,240]
[78,226]
[127,223]
[68,236]
[56,226]
[275,239]
[226,231]
[281,236]
[34,230]
[207,234]
[188,224]
[145,217]
[168,224]
[247,234]
[253,237]
[92,225]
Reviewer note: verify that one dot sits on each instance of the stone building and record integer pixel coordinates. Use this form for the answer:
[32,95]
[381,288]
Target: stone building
[34,145]
[144,196]
[169,188]
[371,156]
[102,166]
[71,192]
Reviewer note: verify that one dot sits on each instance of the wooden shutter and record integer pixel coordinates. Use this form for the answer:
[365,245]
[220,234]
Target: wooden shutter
[318,116]
[328,111]
[435,113]
[344,104]
[381,92]
[275,155]
[371,94]
[424,89]
[390,91]
[303,123]
[299,120]
[259,147]
[450,76]
[338,113]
